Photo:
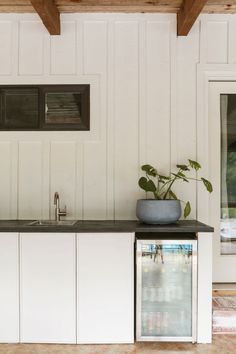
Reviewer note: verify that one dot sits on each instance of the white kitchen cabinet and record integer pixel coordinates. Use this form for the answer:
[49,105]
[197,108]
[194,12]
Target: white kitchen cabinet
[105,288]
[48,288]
[9,291]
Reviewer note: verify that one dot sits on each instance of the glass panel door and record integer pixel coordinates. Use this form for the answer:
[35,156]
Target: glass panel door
[228,173]
[165,290]
[221,161]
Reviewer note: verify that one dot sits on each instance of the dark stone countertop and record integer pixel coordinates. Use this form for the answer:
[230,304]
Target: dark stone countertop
[183,226]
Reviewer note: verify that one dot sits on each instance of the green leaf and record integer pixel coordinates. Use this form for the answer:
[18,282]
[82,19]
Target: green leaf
[207,184]
[150,170]
[164,177]
[172,194]
[143,183]
[180,175]
[147,185]
[183,167]
[151,186]
[194,164]
[187,209]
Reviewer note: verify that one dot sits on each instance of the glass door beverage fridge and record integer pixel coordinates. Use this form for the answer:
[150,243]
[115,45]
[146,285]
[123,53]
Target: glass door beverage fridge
[166,290]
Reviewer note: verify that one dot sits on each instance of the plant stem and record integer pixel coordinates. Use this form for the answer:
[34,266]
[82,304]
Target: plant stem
[158,183]
[171,184]
[194,179]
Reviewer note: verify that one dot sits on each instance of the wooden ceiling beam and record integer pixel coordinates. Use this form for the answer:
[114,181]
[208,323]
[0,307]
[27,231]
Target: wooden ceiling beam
[187,15]
[49,14]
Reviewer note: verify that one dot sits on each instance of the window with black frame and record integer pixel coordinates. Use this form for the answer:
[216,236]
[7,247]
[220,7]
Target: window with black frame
[45,107]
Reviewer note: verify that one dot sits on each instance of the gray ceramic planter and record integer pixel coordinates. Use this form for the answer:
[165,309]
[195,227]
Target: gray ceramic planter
[153,211]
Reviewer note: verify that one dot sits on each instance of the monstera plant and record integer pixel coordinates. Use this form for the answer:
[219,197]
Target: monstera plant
[162,186]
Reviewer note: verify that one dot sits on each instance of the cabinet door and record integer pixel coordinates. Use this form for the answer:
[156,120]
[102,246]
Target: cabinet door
[105,288]
[9,293]
[48,288]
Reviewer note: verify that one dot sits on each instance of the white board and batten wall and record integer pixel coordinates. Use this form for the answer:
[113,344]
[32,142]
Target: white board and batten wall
[146,104]
[143,107]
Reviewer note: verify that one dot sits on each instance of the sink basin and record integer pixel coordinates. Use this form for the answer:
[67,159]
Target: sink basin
[52,223]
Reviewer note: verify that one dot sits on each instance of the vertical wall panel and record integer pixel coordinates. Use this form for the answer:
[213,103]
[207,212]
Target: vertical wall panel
[126,118]
[95,46]
[14,180]
[6,180]
[187,59]
[232,41]
[94,181]
[217,42]
[46,180]
[158,95]
[79,192]
[63,176]
[110,120]
[30,180]
[31,36]
[6,47]
[188,50]
[63,50]
[95,177]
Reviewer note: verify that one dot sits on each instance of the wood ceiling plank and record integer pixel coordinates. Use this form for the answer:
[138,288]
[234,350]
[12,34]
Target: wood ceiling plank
[14,2]
[219,9]
[127,6]
[118,5]
[16,9]
[124,9]
[187,15]
[221,2]
[120,2]
[49,14]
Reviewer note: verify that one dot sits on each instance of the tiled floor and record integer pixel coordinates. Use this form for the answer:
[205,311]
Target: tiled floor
[222,344]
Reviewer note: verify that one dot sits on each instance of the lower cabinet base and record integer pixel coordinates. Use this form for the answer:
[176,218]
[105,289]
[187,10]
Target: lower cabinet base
[78,289]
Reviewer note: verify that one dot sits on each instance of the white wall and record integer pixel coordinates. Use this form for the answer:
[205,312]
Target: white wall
[143,107]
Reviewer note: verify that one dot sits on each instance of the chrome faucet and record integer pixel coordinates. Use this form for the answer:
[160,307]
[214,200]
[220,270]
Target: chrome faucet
[58,212]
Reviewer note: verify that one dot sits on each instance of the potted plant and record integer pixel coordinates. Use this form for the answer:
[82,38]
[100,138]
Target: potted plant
[165,208]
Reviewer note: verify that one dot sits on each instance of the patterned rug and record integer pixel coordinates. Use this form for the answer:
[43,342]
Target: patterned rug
[224,315]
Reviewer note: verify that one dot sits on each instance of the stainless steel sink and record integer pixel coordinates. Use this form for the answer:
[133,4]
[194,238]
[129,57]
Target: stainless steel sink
[52,223]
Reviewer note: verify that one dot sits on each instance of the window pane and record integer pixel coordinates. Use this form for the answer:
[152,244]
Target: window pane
[63,108]
[20,108]
[228,174]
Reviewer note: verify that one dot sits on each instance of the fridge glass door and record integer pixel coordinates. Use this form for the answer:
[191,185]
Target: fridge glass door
[165,282]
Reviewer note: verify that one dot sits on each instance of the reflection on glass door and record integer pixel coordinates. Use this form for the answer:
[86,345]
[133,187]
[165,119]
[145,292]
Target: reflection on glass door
[166,287]
[228,173]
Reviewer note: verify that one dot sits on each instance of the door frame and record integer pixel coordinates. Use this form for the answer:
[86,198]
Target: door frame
[205,75]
